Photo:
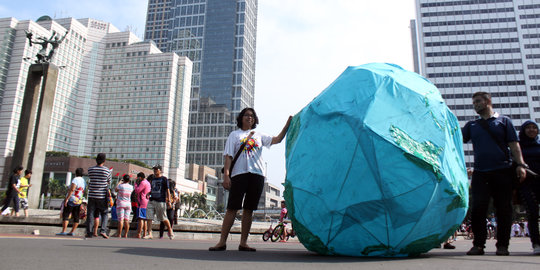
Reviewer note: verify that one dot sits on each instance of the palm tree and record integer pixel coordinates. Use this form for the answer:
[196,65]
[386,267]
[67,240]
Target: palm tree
[200,200]
[187,200]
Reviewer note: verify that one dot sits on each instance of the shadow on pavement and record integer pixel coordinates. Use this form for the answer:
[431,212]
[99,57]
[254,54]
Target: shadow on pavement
[304,256]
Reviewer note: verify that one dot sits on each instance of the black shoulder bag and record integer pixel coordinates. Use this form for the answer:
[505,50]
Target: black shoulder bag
[235,157]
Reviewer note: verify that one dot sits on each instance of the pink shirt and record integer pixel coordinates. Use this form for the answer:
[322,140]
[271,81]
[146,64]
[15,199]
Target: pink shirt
[283,214]
[142,191]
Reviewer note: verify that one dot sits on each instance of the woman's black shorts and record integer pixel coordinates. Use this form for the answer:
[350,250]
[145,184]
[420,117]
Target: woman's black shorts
[249,185]
[75,212]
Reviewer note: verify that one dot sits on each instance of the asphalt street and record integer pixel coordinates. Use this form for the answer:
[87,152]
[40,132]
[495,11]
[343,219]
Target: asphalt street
[46,252]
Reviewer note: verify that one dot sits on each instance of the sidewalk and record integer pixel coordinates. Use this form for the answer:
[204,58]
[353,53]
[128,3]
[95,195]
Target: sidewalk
[48,222]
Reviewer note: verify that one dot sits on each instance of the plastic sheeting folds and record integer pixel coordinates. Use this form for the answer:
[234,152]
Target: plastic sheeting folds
[375,166]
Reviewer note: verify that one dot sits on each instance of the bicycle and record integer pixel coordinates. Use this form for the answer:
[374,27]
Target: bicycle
[277,233]
[268,233]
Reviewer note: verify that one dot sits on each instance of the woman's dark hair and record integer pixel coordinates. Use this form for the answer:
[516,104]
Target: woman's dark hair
[141,175]
[241,116]
[18,168]
[79,172]
[126,178]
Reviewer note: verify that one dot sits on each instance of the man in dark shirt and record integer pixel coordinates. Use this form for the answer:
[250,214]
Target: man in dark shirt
[12,192]
[160,199]
[494,138]
[98,188]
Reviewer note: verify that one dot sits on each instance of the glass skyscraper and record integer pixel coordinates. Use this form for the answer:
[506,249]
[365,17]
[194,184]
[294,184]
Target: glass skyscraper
[482,45]
[219,36]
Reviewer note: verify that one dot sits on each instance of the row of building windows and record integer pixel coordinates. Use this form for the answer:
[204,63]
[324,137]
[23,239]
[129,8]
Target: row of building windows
[461,3]
[132,137]
[479,84]
[209,131]
[530,26]
[529,6]
[210,159]
[475,63]
[471,32]
[464,22]
[186,2]
[474,73]
[206,145]
[209,118]
[495,105]
[109,131]
[467,12]
[529,16]
[494,94]
[531,36]
[473,52]
[471,42]
[115,44]
[532,56]
[532,46]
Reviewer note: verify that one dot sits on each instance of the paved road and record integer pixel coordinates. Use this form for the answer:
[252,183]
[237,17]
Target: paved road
[46,252]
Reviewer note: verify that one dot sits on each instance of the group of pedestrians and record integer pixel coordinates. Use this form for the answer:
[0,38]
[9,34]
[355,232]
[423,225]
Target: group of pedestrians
[17,192]
[502,160]
[155,194]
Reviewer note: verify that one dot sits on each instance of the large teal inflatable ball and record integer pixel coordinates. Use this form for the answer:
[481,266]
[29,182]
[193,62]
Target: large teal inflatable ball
[375,166]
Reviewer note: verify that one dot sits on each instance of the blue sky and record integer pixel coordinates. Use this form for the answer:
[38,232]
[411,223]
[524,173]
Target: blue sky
[302,46]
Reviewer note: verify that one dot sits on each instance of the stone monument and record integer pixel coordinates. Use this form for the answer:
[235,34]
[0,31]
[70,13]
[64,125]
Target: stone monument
[36,111]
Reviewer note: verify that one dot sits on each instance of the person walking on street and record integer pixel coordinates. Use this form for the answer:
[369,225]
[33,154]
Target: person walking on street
[98,187]
[495,145]
[12,192]
[72,203]
[142,189]
[23,187]
[170,208]
[245,181]
[160,200]
[529,189]
[123,204]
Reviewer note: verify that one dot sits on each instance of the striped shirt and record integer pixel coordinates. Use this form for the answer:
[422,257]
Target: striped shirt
[100,177]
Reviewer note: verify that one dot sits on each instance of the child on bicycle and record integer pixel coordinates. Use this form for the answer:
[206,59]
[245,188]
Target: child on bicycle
[282,219]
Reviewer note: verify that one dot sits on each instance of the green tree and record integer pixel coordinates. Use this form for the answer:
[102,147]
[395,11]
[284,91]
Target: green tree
[56,188]
[200,201]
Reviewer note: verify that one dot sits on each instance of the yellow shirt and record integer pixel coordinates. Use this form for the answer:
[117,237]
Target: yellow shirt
[23,190]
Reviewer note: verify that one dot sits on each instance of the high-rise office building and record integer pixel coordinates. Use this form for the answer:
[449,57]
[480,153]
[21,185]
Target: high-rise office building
[482,45]
[219,37]
[115,93]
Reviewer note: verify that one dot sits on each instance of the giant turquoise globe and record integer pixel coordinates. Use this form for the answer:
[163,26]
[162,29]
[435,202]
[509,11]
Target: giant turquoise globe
[375,166]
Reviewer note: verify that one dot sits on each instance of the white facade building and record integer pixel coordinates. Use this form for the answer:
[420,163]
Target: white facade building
[482,45]
[115,94]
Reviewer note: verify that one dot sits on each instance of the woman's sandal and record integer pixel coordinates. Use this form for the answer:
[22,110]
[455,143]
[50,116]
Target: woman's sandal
[222,248]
